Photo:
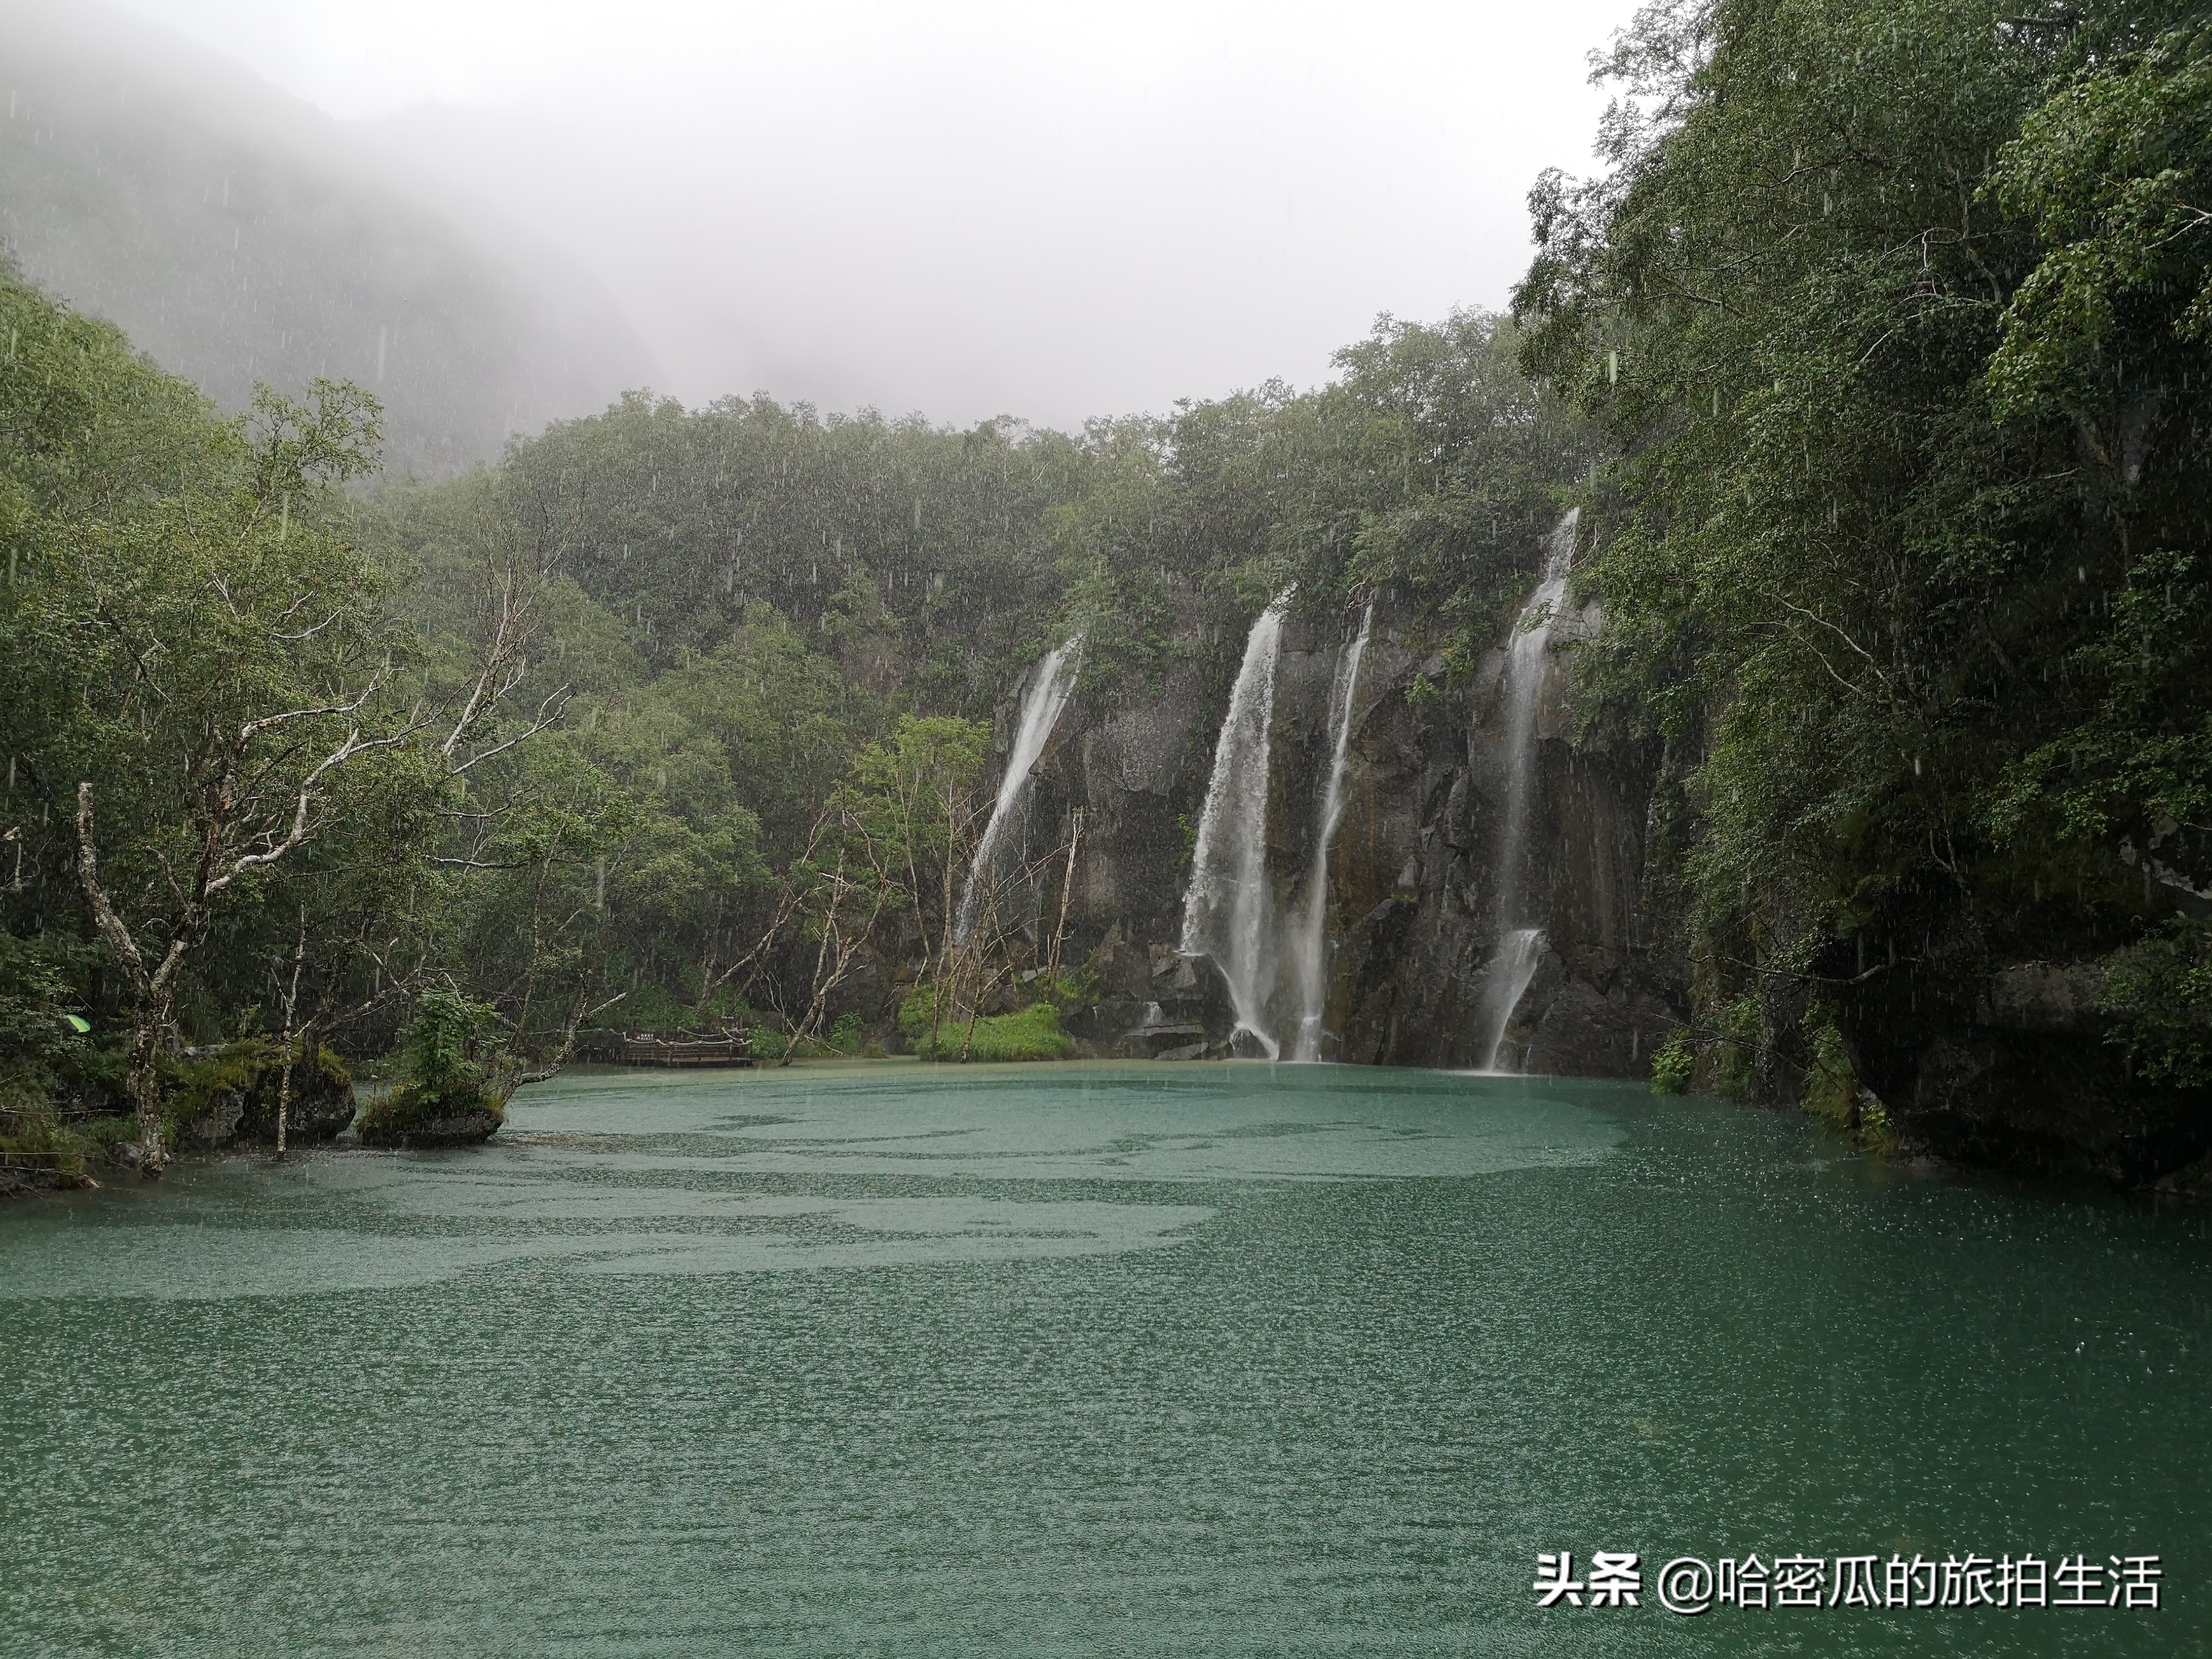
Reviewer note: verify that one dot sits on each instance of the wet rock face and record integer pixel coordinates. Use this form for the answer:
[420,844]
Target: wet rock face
[321,1108]
[462,1127]
[1996,1058]
[215,1127]
[2003,1063]
[1414,866]
[1411,886]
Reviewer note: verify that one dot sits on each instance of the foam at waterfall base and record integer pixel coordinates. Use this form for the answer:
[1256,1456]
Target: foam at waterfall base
[1506,979]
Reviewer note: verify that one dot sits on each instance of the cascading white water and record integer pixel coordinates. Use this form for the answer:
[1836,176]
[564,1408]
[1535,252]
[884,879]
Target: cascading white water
[1520,944]
[1309,962]
[1049,687]
[1513,963]
[1229,912]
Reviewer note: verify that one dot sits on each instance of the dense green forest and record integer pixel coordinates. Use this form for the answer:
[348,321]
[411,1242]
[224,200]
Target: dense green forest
[1896,319]
[677,713]
[1875,356]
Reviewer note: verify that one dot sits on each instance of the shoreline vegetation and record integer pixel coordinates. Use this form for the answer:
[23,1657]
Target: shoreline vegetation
[1877,360]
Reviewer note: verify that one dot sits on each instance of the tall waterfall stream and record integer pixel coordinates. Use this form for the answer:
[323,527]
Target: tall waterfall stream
[1309,962]
[1229,913]
[1519,947]
[1050,686]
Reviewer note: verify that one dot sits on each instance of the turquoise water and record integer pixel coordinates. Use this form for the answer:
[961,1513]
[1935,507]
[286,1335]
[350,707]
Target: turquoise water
[1145,1360]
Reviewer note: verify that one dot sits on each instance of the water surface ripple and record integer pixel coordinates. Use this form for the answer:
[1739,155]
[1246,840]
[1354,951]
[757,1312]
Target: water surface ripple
[1144,1360]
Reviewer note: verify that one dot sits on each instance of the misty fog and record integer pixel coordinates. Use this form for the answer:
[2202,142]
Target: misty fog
[960,210]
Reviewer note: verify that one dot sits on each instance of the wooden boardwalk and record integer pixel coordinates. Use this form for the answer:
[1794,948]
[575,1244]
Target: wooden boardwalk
[653,1048]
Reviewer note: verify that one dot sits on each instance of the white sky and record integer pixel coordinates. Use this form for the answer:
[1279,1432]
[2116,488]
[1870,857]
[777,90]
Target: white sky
[973,209]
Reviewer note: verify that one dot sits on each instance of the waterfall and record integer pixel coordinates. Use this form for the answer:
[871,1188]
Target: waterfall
[1229,912]
[1513,963]
[1050,684]
[1310,963]
[1520,944]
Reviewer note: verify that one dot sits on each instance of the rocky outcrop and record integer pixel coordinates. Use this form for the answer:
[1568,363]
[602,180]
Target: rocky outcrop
[470,1128]
[405,1119]
[227,1096]
[1979,1038]
[1411,883]
[1984,1055]
[321,1107]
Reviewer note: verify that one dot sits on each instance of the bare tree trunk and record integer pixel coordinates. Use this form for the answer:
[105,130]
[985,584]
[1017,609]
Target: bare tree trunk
[150,1024]
[820,956]
[943,964]
[291,1006]
[1067,891]
[578,1011]
[153,993]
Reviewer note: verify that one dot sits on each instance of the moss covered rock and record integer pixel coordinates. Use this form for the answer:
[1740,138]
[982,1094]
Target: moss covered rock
[411,1117]
[220,1099]
[322,1103]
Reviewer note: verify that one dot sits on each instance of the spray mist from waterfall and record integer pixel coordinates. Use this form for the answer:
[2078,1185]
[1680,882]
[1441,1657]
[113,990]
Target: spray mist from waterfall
[1229,912]
[1049,687]
[1309,960]
[1520,946]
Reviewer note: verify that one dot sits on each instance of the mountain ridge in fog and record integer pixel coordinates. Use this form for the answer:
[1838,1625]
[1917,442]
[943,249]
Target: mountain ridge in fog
[239,235]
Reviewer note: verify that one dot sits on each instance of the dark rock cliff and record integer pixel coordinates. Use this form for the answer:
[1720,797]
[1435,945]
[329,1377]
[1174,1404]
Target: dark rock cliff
[1982,1037]
[1982,1048]
[1411,877]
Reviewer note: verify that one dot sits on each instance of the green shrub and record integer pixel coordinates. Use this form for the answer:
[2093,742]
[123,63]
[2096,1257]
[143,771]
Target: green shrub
[918,1013]
[1033,1034]
[1832,1093]
[40,1040]
[107,1133]
[846,1035]
[2158,992]
[1873,1130]
[769,1043]
[439,1053]
[1741,1027]
[33,1138]
[1831,1088]
[650,1007]
[1069,988]
[447,1068]
[1673,1064]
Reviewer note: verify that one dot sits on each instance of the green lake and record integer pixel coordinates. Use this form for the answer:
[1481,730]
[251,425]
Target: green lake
[1199,1360]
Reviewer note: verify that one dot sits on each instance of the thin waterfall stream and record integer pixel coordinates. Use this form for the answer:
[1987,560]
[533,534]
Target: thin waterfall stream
[1049,687]
[1309,962]
[1229,910]
[1520,948]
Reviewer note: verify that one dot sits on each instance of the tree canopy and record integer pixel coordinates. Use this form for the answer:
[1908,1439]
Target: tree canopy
[1894,316]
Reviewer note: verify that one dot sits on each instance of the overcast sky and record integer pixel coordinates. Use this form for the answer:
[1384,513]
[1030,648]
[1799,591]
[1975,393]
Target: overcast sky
[1048,211]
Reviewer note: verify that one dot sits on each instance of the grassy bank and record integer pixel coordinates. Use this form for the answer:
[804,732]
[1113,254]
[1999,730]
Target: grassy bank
[1033,1034]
